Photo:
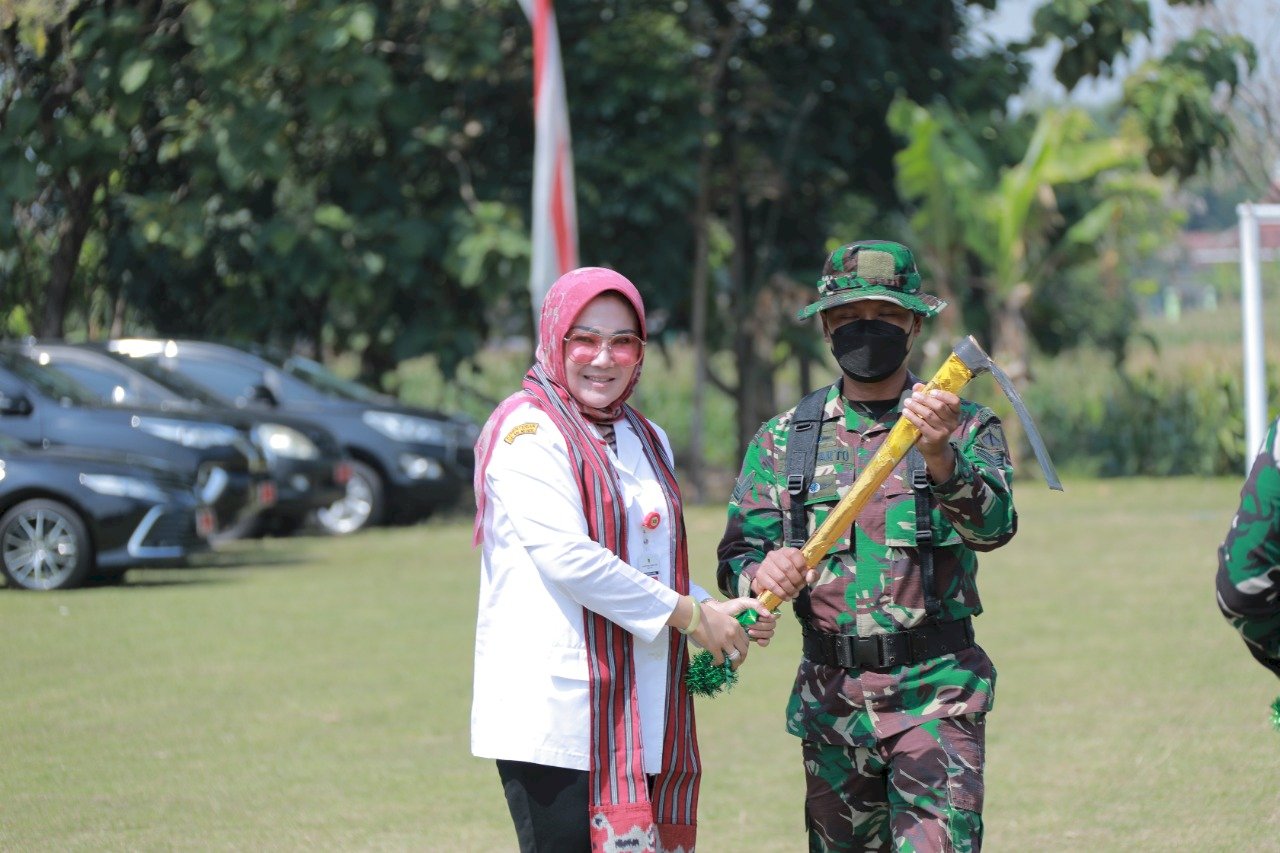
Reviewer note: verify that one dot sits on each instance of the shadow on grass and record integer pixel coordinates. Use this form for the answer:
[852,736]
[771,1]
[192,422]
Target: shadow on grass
[245,558]
[212,567]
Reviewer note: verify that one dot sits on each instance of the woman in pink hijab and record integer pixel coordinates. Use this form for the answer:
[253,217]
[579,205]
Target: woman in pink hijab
[586,604]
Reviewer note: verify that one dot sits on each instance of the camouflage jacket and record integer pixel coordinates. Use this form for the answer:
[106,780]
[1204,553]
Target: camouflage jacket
[870,580]
[1249,558]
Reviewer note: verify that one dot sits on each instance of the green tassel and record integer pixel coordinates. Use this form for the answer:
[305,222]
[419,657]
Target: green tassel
[1275,714]
[706,679]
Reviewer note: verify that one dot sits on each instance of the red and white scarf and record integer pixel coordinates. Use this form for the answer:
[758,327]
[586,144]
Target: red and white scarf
[622,817]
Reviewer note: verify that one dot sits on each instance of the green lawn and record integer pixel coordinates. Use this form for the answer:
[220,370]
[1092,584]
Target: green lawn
[313,694]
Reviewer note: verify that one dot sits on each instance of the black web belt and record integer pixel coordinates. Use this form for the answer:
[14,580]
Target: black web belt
[883,651]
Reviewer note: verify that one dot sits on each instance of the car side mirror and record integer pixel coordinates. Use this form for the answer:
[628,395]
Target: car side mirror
[261,394]
[15,405]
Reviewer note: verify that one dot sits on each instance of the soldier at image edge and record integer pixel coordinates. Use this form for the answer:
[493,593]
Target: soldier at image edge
[1248,580]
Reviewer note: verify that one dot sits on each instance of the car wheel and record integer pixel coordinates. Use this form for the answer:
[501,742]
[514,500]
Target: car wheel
[362,505]
[45,545]
[247,526]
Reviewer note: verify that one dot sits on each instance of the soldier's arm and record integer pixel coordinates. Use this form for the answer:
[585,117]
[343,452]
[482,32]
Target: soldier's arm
[978,498]
[1248,580]
[754,526]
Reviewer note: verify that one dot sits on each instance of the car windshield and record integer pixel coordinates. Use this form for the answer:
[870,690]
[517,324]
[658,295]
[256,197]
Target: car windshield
[116,384]
[322,379]
[171,379]
[49,381]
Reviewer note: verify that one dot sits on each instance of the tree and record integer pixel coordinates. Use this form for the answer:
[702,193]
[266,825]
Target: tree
[326,172]
[75,111]
[338,170]
[797,129]
[1180,101]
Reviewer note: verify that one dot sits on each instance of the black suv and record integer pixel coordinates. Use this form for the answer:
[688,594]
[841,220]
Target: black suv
[406,462]
[72,515]
[305,460]
[46,408]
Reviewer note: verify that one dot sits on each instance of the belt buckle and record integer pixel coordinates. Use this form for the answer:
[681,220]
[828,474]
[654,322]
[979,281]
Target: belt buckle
[867,651]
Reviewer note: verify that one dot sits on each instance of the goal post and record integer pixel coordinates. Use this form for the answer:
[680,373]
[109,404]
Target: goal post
[1255,365]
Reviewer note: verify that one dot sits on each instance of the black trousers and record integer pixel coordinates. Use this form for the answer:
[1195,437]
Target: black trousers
[548,806]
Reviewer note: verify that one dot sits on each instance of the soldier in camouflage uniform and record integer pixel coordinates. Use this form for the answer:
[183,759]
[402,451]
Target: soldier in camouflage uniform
[891,695]
[1249,559]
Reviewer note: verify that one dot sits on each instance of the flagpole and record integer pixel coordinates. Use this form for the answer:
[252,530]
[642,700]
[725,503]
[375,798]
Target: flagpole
[554,213]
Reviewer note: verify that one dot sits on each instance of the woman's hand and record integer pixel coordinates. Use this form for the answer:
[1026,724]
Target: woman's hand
[762,632]
[720,633]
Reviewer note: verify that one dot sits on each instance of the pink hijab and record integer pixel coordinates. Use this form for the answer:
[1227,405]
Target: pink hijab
[560,308]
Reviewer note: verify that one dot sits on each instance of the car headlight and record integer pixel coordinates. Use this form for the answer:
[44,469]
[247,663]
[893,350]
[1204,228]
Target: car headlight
[284,441]
[124,487]
[421,467]
[406,427]
[188,434]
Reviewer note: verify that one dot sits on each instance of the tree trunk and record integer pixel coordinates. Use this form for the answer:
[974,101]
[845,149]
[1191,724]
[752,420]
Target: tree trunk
[375,363]
[118,312]
[1010,352]
[72,230]
[693,465]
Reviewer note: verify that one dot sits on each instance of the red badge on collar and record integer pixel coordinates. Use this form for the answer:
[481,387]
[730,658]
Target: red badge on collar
[652,520]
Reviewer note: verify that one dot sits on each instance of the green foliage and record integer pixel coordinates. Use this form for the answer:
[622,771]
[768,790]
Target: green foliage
[1094,34]
[1174,98]
[273,172]
[1149,422]
[1063,221]
[353,177]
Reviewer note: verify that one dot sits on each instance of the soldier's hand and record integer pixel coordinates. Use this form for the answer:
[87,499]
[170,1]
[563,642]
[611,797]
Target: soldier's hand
[784,573]
[936,414]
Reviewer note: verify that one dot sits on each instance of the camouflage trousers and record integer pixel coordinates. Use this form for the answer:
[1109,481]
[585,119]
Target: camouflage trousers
[918,790]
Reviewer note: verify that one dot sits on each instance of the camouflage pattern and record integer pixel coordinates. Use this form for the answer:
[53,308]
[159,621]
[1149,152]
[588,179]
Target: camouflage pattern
[869,583]
[921,789]
[872,269]
[1249,559]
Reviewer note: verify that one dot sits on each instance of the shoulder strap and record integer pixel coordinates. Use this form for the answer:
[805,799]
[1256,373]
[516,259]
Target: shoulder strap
[802,456]
[924,531]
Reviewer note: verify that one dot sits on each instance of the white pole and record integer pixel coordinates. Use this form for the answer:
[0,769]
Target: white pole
[1255,384]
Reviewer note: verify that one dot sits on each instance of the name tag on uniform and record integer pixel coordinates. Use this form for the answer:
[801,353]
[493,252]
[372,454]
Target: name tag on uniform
[648,564]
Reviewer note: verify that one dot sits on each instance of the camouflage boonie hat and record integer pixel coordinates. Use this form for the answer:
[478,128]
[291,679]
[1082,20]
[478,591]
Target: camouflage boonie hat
[872,269]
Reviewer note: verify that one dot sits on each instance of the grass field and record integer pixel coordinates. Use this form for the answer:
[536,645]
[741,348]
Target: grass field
[313,694]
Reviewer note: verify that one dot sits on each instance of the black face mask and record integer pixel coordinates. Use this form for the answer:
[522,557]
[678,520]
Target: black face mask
[869,350]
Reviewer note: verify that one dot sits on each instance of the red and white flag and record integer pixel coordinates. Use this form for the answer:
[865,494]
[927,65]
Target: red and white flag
[555,212]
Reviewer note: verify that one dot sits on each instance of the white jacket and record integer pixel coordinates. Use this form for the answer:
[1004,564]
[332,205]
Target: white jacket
[539,569]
